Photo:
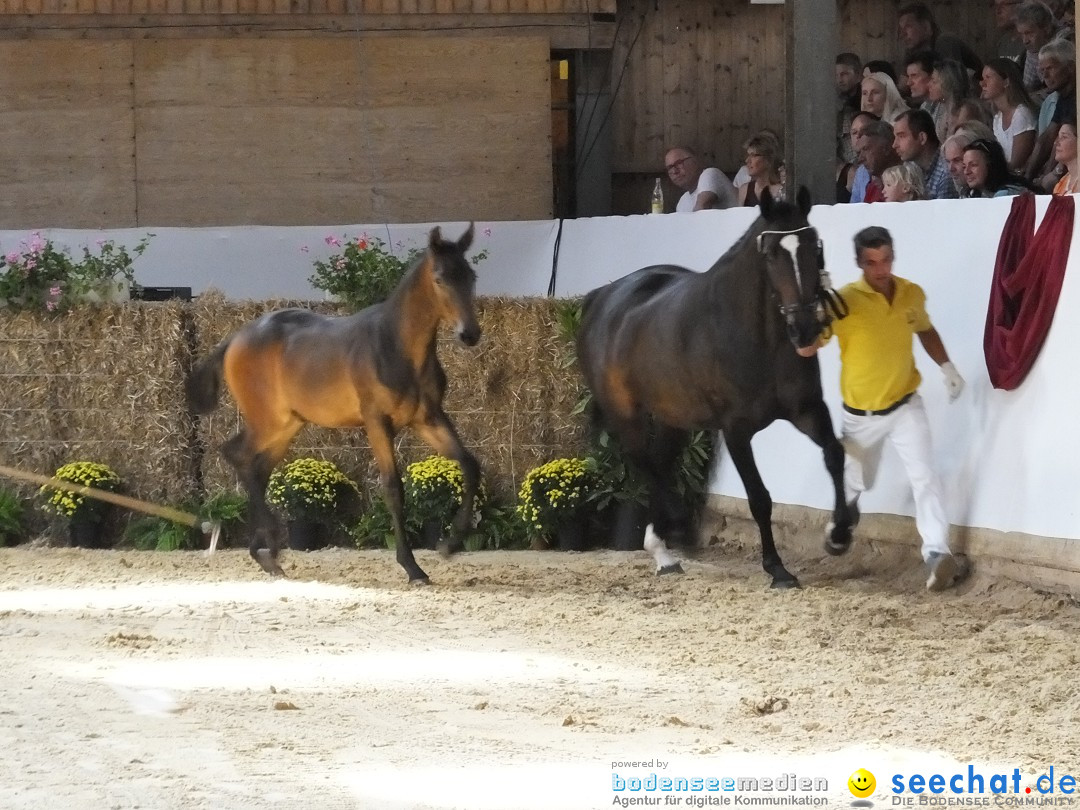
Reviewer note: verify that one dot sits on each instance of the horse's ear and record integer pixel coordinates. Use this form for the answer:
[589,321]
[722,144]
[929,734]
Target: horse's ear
[466,238]
[767,203]
[802,199]
[435,237]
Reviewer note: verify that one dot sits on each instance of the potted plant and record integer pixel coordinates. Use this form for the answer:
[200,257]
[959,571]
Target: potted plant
[157,534]
[434,488]
[225,508]
[85,516]
[40,276]
[366,271]
[554,500]
[11,515]
[310,492]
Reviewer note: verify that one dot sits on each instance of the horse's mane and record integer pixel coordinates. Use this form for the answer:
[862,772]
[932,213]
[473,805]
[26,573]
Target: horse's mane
[782,210]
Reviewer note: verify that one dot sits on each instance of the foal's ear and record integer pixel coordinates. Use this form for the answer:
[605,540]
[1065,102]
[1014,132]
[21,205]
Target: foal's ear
[802,199]
[435,237]
[466,238]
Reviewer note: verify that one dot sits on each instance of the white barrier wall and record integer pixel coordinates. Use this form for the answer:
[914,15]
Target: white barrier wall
[1008,459]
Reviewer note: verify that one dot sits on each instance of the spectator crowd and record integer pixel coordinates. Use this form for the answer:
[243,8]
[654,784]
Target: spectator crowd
[942,123]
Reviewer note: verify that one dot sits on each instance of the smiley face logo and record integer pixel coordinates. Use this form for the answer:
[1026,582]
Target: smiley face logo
[861,783]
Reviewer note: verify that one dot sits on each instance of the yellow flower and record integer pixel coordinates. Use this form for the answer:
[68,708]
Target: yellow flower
[308,487]
[553,492]
[434,490]
[72,505]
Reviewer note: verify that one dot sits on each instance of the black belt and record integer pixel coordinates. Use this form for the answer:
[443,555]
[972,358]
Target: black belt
[883,411]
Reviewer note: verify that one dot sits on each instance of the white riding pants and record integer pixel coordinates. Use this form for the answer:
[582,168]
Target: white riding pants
[908,429]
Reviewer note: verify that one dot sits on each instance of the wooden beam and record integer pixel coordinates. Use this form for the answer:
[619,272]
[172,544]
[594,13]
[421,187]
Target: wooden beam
[810,27]
[565,31]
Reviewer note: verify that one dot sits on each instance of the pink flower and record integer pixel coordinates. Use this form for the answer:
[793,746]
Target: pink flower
[362,243]
[54,291]
[333,240]
[13,257]
[340,263]
[100,243]
[31,263]
[50,305]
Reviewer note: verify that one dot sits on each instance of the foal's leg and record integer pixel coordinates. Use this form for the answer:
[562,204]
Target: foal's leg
[742,455]
[817,424]
[253,468]
[438,431]
[381,437]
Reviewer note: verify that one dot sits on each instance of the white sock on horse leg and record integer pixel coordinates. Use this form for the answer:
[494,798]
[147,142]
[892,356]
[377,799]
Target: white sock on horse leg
[658,548]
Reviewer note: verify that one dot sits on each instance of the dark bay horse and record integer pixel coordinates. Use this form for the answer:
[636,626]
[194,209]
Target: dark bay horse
[377,368]
[666,350]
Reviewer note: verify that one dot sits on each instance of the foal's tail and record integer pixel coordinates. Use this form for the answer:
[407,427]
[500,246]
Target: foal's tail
[203,385]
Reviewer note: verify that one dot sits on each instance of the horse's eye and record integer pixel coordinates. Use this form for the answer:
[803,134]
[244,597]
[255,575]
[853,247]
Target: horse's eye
[439,281]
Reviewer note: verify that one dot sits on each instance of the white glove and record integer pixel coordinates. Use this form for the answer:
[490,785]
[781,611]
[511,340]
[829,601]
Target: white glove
[954,383]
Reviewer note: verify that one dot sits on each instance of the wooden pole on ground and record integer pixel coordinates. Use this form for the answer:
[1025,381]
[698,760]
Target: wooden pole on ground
[213,528]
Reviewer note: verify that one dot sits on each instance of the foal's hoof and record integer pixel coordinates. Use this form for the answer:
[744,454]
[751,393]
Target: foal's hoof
[264,558]
[421,582]
[448,548]
[670,569]
[785,584]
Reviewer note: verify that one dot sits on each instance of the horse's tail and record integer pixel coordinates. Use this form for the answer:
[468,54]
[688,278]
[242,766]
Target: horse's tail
[203,385]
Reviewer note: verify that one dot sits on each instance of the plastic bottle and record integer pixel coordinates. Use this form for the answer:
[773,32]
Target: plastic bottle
[657,198]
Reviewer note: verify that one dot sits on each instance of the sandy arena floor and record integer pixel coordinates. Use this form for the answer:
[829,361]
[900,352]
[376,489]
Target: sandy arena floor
[136,679]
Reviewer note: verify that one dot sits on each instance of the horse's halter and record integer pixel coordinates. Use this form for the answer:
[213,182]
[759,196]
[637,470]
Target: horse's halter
[828,303]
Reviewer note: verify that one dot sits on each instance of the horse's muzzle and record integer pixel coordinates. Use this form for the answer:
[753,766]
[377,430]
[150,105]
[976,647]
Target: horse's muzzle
[804,323]
[470,335]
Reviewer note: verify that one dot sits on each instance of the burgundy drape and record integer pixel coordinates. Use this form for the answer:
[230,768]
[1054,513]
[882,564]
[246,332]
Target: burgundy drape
[1024,293]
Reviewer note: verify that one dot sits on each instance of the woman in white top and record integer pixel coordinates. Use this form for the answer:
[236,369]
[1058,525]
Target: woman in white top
[1015,119]
[880,96]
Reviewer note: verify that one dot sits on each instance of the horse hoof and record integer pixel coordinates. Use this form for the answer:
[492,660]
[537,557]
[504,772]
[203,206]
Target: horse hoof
[268,563]
[448,549]
[422,582]
[670,569]
[834,549]
[786,584]
[837,542]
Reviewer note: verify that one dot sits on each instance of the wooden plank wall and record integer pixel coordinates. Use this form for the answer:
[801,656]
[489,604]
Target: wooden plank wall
[708,73]
[68,128]
[299,131]
[307,6]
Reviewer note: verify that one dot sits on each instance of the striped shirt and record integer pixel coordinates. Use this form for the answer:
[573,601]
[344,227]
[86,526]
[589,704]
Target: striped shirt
[939,184]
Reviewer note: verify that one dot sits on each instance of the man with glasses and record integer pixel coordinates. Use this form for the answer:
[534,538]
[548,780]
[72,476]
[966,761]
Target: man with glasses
[702,187]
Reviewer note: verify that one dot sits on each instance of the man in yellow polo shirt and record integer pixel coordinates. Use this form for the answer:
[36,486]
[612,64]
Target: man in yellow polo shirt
[879,384]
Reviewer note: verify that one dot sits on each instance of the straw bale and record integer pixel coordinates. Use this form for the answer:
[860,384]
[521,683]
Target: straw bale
[101,383]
